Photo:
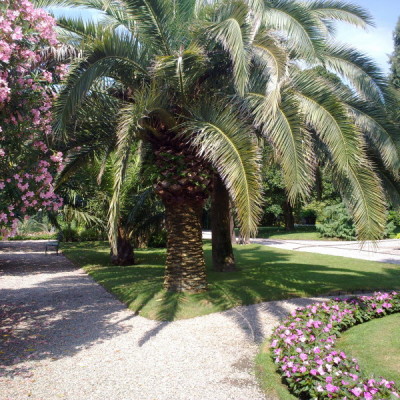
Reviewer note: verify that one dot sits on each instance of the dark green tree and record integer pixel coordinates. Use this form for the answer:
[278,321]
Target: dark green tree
[395,58]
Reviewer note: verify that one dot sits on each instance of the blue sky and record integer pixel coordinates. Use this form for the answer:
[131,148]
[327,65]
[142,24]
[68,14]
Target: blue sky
[376,42]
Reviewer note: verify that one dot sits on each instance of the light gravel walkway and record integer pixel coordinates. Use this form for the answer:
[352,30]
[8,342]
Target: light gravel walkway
[386,251]
[62,336]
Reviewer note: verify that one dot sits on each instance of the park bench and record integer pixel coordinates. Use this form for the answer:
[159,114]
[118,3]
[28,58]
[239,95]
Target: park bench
[52,244]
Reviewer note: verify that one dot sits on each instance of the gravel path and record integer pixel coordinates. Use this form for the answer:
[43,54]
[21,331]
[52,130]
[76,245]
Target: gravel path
[62,336]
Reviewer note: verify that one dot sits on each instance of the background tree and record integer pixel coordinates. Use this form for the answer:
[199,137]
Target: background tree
[395,58]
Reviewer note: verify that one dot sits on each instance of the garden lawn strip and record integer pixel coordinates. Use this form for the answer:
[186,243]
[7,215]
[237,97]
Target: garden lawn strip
[264,274]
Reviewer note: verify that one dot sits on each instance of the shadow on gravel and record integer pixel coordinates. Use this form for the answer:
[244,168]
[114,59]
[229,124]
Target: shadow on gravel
[53,318]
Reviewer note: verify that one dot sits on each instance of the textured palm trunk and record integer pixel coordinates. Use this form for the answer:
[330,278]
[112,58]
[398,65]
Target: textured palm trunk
[221,226]
[185,265]
[183,187]
[125,255]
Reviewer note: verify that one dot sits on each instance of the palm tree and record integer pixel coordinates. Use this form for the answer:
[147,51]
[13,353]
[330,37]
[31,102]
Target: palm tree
[200,79]
[87,179]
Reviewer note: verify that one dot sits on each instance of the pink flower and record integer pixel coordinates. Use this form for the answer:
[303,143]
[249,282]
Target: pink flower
[331,388]
[303,356]
[356,391]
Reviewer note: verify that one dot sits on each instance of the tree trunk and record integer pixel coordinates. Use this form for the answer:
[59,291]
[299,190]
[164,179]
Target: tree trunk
[185,265]
[319,185]
[184,186]
[125,255]
[222,251]
[288,214]
[232,225]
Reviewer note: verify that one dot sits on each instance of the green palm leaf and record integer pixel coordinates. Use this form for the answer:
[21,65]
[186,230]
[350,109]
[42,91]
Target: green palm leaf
[282,126]
[334,10]
[232,31]
[301,28]
[358,70]
[130,124]
[345,144]
[228,143]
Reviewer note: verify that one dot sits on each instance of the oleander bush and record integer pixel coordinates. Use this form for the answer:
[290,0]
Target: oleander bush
[303,349]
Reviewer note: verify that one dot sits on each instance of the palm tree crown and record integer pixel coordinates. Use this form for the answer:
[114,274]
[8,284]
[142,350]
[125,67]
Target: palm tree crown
[201,81]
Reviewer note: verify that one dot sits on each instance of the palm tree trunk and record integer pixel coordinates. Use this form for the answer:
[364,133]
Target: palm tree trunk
[288,214]
[125,255]
[185,265]
[222,252]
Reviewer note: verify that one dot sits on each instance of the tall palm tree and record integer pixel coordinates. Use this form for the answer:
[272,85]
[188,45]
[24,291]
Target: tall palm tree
[201,78]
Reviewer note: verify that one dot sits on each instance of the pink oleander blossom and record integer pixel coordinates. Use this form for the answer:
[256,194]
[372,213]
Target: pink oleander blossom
[27,165]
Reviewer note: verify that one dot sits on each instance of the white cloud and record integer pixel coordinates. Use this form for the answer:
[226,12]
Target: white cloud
[376,42]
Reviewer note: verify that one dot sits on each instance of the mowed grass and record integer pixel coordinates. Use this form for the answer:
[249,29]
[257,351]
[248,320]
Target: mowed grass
[376,345]
[270,380]
[299,233]
[265,274]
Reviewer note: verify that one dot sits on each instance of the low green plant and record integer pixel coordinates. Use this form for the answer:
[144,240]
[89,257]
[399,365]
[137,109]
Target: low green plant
[158,239]
[91,234]
[336,222]
[69,234]
[394,216]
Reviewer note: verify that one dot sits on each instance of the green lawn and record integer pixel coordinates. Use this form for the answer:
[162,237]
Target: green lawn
[299,233]
[266,274]
[376,345]
[270,380]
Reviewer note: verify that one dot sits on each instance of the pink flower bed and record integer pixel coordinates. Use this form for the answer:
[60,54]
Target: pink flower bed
[303,348]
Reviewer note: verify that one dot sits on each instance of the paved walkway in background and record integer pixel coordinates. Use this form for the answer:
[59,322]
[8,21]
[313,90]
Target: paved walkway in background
[64,337]
[386,251]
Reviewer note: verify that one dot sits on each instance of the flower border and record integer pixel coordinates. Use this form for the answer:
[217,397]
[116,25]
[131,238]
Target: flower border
[304,353]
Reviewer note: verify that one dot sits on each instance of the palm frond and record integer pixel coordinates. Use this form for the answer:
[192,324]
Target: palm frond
[231,30]
[301,28]
[384,137]
[151,21]
[182,71]
[81,217]
[130,118]
[363,194]
[356,68]
[109,57]
[359,183]
[271,60]
[221,136]
[334,10]
[283,127]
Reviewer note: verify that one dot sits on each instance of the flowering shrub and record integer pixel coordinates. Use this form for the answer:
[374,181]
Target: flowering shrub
[27,164]
[304,352]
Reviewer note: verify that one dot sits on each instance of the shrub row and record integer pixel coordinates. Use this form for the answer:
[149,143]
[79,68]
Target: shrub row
[303,348]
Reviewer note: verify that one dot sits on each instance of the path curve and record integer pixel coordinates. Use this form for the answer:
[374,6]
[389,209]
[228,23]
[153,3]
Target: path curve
[62,336]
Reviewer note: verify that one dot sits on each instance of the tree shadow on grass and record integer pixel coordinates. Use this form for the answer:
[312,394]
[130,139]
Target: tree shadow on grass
[265,274]
[65,321]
